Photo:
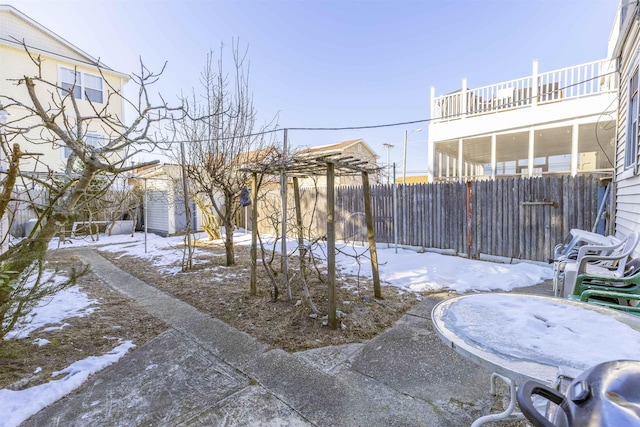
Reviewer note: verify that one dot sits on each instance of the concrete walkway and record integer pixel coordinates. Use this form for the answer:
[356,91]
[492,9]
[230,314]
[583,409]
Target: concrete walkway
[203,372]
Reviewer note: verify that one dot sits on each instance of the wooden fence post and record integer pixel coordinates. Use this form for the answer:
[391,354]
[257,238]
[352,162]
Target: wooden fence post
[254,234]
[368,211]
[331,246]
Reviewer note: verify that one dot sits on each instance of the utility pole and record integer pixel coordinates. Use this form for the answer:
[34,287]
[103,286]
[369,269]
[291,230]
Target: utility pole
[404,162]
[395,208]
[388,147]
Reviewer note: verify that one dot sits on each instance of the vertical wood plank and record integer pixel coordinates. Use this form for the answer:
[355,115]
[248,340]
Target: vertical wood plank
[331,246]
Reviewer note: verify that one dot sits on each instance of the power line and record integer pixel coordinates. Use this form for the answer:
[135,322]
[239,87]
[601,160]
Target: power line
[300,129]
[364,127]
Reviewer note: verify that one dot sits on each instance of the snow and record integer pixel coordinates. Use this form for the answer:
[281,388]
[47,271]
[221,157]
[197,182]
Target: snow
[413,271]
[52,310]
[541,331]
[17,406]
[406,270]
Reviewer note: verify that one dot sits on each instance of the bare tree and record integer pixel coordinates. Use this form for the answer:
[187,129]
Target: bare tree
[50,116]
[221,137]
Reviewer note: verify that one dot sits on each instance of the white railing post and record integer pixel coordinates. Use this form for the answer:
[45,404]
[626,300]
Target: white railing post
[434,115]
[532,144]
[534,83]
[463,101]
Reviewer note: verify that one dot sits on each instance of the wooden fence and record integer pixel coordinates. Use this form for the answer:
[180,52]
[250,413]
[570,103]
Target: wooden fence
[515,218]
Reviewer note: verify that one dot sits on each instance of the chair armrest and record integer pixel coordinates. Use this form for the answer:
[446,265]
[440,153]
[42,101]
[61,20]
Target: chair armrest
[584,250]
[580,286]
[583,261]
[584,296]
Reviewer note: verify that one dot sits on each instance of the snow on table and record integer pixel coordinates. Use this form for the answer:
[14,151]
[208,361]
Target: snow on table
[543,331]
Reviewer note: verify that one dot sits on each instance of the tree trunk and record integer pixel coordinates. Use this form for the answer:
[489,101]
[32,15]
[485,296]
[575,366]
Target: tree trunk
[228,229]
[21,256]
[10,181]
[228,244]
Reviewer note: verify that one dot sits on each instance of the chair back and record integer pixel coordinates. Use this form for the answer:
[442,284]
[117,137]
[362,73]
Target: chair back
[627,249]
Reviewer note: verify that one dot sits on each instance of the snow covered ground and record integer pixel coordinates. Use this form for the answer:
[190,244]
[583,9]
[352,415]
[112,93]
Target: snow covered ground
[405,269]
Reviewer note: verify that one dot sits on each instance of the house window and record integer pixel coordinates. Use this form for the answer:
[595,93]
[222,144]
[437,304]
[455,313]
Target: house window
[93,88]
[84,86]
[90,139]
[631,145]
[71,80]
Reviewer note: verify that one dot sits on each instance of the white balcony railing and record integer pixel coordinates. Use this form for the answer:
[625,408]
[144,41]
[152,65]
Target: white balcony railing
[583,80]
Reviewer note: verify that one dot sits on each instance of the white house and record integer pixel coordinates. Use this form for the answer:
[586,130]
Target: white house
[551,122]
[62,63]
[624,46]
[63,69]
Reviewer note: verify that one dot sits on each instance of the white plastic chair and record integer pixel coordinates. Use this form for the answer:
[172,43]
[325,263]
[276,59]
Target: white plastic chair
[604,261]
[567,251]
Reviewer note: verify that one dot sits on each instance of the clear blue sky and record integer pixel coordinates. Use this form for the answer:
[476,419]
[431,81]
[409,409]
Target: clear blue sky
[339,63]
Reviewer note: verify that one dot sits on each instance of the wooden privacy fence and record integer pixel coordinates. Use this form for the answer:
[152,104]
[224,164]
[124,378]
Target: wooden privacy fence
[516,218]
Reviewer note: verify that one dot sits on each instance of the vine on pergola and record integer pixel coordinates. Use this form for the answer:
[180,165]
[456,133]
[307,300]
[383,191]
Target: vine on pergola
[301,166]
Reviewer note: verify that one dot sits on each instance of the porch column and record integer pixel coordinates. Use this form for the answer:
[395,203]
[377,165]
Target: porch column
[431,149]
[532,144]
[574,149]
[447,169]
[493,156]
[460,162]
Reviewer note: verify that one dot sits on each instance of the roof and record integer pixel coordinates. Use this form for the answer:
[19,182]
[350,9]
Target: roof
[156,169]
[314,160]
[261,155]
[337,148]
[82,56]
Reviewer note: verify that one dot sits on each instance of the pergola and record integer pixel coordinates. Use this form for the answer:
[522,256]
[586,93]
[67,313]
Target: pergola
[316,165]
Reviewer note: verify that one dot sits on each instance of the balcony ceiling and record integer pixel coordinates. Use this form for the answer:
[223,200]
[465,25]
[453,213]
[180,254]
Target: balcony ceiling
[548,142]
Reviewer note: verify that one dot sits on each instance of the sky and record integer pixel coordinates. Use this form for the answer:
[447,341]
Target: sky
[332,63]
[404,269]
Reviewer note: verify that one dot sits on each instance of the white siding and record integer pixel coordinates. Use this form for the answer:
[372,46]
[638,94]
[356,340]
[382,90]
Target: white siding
[55,52]
[157,215]
[164,201]
[627,213]
[12,27]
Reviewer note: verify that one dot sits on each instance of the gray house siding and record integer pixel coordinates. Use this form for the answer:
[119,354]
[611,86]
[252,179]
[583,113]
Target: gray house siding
[627,180]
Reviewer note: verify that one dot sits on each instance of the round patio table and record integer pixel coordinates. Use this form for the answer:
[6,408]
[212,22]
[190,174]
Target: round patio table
[520,337]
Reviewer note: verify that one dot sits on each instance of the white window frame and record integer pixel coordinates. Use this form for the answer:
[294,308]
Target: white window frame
[633,121]
[91,139]
[93,94]
[68,83]
[83,89]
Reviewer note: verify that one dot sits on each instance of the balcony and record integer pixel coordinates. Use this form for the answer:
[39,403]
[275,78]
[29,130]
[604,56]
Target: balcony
[560,122]
[593,78]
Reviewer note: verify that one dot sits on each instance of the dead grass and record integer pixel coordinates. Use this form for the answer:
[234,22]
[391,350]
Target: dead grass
[220,291]
[24,364]
[223,293]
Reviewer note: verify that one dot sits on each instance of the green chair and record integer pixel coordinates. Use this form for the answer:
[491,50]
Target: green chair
[621,293]
[609,262]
